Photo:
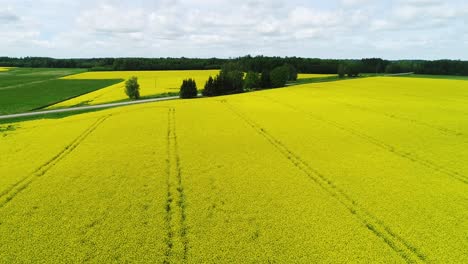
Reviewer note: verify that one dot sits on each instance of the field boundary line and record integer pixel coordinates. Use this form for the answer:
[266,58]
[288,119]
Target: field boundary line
[403,248]
[176,240]
[403,154]
[7,195]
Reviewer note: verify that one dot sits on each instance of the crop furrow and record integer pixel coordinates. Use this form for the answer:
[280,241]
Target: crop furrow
[403,154]
[176,240]
[408,252]
[88,231]
[444,130]
[7,195]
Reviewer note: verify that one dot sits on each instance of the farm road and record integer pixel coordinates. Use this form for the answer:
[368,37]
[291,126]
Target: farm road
[28,114]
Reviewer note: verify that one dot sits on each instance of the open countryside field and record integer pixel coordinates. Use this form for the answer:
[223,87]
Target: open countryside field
[151,83]
[26,89]
[369,170]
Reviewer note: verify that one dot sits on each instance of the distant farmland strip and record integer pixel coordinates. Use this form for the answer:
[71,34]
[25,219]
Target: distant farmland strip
[36,95]
[16,77]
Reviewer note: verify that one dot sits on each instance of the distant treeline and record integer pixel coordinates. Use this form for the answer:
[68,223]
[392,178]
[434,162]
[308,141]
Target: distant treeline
[248,63]
[115,64]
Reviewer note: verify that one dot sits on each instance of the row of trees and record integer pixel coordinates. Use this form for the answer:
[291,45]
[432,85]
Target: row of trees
[440,67]
[350,70]
[115,64]
[231,79]
[246,64]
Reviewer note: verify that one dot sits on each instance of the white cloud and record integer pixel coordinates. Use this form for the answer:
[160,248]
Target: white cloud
[355,2]
[109,19]
[206,28]
[7,16]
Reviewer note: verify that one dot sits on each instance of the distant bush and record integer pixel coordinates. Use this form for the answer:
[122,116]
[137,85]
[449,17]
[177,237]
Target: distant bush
[188,89]
[132,88]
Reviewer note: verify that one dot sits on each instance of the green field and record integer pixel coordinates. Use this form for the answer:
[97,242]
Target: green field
[368,170]
[16,77]
[24,89]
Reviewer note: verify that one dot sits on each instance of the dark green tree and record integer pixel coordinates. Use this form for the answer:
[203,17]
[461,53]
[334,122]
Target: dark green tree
[341,71]
[209,89]
[188,89]
[231,78]
[353,69]
[132,88]
[265,81]
[252,81]
[292,72]
[279,76]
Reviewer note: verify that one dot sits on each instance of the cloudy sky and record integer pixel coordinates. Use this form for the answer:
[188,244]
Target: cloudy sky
[391,29]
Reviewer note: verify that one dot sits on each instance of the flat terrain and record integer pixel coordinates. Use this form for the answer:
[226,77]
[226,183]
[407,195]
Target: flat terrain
[24,89]
[151,83]
[369,170]
[15,77]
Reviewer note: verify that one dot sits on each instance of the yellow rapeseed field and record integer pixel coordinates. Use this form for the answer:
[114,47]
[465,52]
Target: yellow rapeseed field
[313,75]
[368,170]
[151,83]
[5,68]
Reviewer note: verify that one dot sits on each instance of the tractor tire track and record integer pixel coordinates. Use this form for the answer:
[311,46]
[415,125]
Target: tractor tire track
[401,153]
[444,130]
[87,232]
[7,195]
[176,240]
[397,243]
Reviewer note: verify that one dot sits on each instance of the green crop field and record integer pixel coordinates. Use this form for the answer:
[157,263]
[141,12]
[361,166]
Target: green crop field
[25,89]
[370,170]
[15,77]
